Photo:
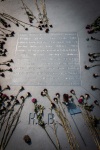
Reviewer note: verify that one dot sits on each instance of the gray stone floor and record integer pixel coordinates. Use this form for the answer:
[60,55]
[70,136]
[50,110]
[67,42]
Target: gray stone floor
[67,16]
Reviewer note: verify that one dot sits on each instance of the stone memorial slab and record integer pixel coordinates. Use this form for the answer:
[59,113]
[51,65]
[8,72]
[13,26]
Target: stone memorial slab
[47,59]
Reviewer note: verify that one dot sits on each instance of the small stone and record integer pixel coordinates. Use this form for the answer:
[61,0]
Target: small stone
[27,139]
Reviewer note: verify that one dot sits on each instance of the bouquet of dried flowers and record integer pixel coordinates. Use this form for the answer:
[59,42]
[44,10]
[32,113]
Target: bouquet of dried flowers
[91,121]
[39,110]
[58,108]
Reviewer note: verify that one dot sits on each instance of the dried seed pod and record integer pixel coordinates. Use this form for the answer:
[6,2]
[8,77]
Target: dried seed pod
[17,102]
[47,30]
[87,96]
[41,22]
[46,25]
[22,88]
[29,94]
[8,87]
[40,28]
[7,35]
[46,91]
[43,26]
[95,75]
[96,102]
[2,75]
[17,24]
[91,60]
[10,70]
[88,27]
[53,106]
[8,104]
[4,108]
[8,65]
[72,92]
[86,67]
[26,29]
[93,87]
[90,54]
[43,94]
[0,88]
[22,97]
[51,26]
[12,97]
[56,100]
[82,96]
[58,95]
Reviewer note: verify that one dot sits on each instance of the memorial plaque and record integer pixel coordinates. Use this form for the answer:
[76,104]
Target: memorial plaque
[47,59]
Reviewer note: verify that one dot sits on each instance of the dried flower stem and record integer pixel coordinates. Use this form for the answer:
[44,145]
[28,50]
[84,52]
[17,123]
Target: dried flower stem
[17,115]
[45,18]
[87,117]
[66,125]
[27,10]
[38,9]
[5,138]
[17,20]
[58,143]
[96,137]
[11,113]
[50,138]
[62,107]
[71,138]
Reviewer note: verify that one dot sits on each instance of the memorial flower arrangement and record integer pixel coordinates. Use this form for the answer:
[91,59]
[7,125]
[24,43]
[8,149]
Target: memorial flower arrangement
[7,63]
[91,121]
[57,106]
[9,115]
[39,110]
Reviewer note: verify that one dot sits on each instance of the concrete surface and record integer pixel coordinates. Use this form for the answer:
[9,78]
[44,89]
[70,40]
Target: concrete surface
[66,16]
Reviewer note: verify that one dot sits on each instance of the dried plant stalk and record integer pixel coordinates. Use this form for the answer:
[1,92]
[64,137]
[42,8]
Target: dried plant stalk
[64,121]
